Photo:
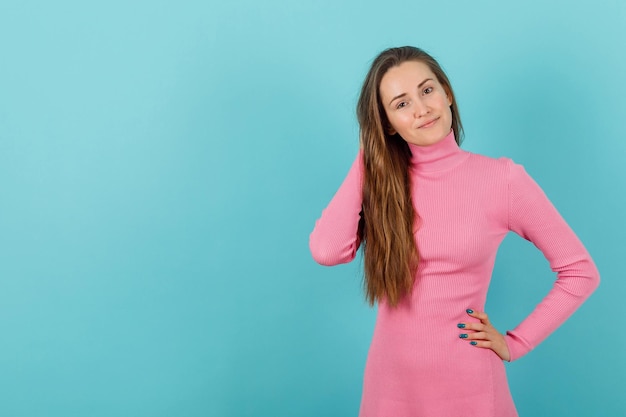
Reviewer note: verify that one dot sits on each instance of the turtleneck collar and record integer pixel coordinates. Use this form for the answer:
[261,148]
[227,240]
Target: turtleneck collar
[439,156]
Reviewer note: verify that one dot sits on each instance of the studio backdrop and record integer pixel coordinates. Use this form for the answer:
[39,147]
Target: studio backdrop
[162,164]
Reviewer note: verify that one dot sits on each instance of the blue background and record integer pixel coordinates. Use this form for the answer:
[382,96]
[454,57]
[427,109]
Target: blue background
[162,164]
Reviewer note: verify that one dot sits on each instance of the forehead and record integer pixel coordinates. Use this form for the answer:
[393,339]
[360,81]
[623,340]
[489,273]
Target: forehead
[404,78]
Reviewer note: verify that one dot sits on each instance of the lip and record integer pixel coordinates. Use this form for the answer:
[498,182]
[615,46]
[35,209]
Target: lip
[428,124]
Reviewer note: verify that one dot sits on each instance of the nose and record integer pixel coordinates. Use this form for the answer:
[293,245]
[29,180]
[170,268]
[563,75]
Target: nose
[420,109]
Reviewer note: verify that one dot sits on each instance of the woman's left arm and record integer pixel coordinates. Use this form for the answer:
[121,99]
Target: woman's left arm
[532,216]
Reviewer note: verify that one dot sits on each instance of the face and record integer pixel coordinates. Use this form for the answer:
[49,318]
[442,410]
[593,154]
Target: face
[416,104]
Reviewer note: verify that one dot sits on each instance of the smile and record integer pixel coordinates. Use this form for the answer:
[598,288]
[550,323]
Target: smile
[428,124]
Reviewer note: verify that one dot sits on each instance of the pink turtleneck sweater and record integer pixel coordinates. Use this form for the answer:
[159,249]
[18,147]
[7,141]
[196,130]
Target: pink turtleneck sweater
[417,365]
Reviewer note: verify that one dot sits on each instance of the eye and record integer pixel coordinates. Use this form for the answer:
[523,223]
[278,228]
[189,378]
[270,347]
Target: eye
[401,105]
[428,90]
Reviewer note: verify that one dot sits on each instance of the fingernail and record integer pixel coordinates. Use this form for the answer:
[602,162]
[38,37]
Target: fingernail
[463,335]
[469,311]
[460,326]
[473,343]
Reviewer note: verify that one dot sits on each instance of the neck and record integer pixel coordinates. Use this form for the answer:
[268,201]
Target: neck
[439,156]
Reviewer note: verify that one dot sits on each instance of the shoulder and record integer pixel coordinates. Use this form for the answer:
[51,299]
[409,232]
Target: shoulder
[503,165]
[503,173]
[500,167]
[509,174]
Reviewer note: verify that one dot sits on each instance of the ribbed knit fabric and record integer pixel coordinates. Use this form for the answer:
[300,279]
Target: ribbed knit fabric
[417,365]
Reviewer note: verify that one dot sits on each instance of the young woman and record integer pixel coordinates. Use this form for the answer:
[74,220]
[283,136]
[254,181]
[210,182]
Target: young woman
[430,217]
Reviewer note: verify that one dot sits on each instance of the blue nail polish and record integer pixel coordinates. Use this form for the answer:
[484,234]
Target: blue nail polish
[460,326]
[469,311]
[473,343]
[463,335]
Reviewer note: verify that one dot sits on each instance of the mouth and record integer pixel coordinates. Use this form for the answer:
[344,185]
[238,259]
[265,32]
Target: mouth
[428,124]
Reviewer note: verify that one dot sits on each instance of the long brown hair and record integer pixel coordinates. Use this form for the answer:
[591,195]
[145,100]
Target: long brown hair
[386,228]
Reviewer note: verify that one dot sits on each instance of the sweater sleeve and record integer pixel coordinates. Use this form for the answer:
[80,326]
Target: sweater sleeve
[334,238]
[533,217]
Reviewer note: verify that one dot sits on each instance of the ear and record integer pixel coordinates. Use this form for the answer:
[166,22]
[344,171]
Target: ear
[391,131]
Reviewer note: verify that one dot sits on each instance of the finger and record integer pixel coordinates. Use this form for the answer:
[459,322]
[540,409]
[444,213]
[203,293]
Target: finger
[479,327]
[475,336]
[480,315]
[483,344]
[502,352]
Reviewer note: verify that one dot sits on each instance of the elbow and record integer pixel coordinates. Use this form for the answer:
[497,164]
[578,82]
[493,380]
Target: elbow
[579,279]
[324,258]
[595,279]
[592,283]
[588,281]
[329,254]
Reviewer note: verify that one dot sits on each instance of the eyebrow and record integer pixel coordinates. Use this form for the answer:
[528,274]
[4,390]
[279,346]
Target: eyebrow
[404,94]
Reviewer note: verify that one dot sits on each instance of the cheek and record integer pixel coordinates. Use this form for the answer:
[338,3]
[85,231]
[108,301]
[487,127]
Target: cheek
[400,121]
[448,117]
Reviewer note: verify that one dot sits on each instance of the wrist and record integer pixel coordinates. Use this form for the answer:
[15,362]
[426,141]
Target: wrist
[516,345]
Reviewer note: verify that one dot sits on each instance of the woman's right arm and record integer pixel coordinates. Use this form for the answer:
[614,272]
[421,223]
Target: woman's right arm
[334,239]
